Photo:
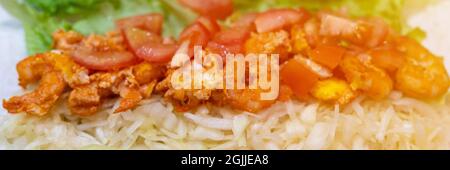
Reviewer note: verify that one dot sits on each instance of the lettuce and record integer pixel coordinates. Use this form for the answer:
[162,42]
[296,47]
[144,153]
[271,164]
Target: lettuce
[42,17]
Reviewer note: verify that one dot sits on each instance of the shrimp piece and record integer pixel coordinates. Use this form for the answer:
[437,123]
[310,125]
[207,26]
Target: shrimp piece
[40,101]
[130,98]
[32,68]
[248,100]
[69,40]
[423,75]
[363,76]
[185,100]
[147,89]
[270,43]
[131,84]
[85,100]
[182,99]
[66,40]
[333,90]
[55,71]
[298,40]
[146,73]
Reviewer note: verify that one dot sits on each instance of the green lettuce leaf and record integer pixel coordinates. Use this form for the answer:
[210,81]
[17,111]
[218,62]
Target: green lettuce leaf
[40,18]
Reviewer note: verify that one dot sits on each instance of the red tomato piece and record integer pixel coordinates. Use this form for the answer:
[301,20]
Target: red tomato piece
[210,24]
[233,36]
[149,22]
[157,53]
[196,34]
[136,37]
[219,9]
[298,77]
[229,41]
[223,50]
[149,46]
[245,21]
[276,19]
[328,55]
[103,60]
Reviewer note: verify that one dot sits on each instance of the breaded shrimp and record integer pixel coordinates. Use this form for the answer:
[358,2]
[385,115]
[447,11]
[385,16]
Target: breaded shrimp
[40,101]
[54,71]
[423,75]
[269,43]
[132,85]
[365,77]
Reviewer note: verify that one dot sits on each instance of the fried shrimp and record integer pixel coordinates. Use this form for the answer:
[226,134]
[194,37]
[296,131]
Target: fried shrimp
[66,40]
[131,84]
[40,101]
[86,100]
[247,99]
[54,71]
[33,68]
[269,43]
[423,75]
[365,77]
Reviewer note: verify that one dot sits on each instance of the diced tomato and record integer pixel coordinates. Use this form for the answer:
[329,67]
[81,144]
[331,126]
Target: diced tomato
[285,93]
[388,59]
[246,21]
[298,77]
[210,24]
[333,25]
[157,53]
[103,60]
[371,33]
[338,73]
[312,34]
[233,36]
[196,34]
[149,22]
[229,41]
[219,9]
[169,40]
[278,19]
[136,37]
[306,14]
[223,50]
[328,55]
[149,46]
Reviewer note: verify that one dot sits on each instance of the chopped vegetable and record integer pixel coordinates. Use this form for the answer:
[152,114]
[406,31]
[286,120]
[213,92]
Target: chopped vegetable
[274,20]
[219,9]
[150,22]
[298,77]
[327,55]
[108,60]
[148,46]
